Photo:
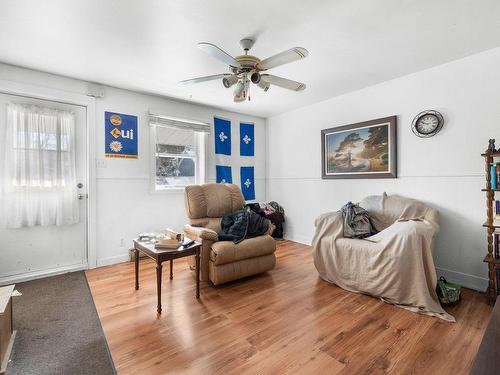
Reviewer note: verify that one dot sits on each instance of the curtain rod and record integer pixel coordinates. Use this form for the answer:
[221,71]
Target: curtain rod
[178,119]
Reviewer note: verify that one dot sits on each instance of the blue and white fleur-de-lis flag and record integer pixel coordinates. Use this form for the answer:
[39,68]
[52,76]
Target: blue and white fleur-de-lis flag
[222,134]
[247,183]
[223,174]
[246,139]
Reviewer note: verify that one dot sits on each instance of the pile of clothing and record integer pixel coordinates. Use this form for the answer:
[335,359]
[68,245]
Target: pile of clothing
[357,222]
[271,211]
[241,224]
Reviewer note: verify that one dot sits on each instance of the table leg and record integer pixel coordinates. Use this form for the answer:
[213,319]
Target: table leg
[158,286]
[197,274]
[171,269]
[136,256]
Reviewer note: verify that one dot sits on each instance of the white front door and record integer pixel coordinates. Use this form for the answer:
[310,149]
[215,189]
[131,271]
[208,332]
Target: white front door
[38,250]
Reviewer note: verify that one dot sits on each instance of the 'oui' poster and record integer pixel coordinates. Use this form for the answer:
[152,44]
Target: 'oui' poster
[120,135]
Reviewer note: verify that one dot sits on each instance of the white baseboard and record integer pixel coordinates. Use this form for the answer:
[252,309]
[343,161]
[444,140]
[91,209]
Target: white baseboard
[298,238]
[112,260]
[464,279]
[32,275]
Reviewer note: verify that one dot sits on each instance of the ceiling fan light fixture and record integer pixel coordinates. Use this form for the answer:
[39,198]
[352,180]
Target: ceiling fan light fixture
[239,99]
[264,85]
[238,91]
[255,77]
[229,80]
[246,69]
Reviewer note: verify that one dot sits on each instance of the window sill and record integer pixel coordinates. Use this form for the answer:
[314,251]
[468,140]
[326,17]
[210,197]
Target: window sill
[171,190]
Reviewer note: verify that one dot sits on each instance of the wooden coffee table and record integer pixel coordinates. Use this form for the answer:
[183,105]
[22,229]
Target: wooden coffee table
[160,256]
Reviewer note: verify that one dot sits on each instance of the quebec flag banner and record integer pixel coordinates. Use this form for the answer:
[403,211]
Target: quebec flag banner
[120,135]
[222,134]
[247,183]
[223,174]
[246,139]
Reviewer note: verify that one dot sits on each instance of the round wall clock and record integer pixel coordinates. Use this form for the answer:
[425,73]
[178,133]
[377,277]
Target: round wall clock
[427,123]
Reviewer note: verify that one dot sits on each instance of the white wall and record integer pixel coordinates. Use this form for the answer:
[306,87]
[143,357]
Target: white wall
[125,204]
[445,171]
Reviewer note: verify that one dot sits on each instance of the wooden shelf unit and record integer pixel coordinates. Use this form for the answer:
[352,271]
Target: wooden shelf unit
[496,262]
[490,225]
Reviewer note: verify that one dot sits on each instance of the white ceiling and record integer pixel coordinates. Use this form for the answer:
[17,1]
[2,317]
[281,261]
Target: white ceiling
[149,45]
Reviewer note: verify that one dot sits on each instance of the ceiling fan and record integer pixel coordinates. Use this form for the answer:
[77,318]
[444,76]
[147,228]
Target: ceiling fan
[247,68]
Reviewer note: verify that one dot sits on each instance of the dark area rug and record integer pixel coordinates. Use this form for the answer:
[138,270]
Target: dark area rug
[58,329]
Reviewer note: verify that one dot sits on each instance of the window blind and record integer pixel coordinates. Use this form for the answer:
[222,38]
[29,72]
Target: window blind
[179,123]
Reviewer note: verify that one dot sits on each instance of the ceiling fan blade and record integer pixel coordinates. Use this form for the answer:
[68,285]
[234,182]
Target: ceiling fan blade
[202,79]
[285,57]
[283,82]
[219,54]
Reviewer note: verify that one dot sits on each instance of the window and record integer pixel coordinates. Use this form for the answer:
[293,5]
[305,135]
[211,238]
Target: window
[179,152]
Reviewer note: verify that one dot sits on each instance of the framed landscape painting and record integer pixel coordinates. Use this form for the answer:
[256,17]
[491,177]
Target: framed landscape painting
[363,150]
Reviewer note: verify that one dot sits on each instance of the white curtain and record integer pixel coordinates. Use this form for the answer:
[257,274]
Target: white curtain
[40,178]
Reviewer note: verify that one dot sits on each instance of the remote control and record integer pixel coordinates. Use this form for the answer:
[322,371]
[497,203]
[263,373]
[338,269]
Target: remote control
[189,243]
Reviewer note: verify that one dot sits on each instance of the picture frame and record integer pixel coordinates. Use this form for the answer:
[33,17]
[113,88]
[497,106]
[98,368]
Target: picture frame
[362,150]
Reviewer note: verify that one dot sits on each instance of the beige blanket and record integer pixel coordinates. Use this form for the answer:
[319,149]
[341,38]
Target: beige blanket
[396,264]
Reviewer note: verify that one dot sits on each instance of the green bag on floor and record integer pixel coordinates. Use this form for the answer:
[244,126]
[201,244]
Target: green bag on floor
[448,293]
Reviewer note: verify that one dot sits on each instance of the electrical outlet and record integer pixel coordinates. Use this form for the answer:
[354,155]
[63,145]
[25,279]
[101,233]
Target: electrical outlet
[122,242]
[100,163]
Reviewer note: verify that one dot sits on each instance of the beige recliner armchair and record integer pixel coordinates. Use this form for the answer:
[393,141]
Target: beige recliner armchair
[223,261]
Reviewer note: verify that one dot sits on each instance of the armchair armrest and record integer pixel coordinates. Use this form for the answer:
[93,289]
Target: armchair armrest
[432,216]
[200,233]
[329,224]
[335,218]
[207,237]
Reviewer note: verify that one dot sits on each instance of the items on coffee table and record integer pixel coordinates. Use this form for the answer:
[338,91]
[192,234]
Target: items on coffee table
[167,243]
[174,235]
[147,236]
[169,240]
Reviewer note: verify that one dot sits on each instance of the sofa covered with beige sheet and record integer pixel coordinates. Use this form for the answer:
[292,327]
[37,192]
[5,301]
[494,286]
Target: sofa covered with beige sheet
[396,264]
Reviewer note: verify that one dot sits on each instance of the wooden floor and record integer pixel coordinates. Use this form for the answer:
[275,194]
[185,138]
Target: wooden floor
[286,321]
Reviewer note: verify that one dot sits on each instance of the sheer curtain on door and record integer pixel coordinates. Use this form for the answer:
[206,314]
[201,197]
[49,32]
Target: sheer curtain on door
[40,176]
